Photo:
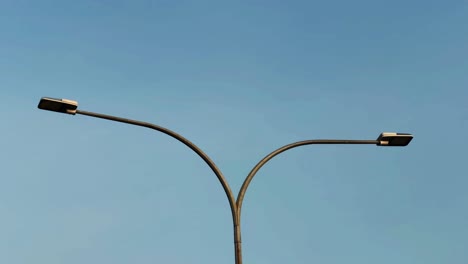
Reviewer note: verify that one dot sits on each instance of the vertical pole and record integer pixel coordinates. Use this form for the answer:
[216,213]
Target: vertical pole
[237,243]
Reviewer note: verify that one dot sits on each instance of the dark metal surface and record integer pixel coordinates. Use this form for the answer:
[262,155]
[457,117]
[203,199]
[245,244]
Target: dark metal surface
[235,205]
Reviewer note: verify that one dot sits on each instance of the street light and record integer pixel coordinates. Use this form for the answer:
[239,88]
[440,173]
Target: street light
[385,139]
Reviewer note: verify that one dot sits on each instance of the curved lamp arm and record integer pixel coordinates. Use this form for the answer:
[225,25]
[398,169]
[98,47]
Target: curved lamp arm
[253,172]
[180,138]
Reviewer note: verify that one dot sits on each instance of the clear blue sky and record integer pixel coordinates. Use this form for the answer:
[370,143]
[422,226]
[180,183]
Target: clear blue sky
[239,79]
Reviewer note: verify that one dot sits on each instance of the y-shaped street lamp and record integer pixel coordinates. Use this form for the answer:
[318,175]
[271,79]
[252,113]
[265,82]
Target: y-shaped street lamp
[70,107]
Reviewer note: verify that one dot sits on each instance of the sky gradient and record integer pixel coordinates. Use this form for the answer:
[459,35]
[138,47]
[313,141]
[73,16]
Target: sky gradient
[239,79]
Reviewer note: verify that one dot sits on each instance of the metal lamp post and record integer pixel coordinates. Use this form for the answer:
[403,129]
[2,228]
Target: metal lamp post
[71,107]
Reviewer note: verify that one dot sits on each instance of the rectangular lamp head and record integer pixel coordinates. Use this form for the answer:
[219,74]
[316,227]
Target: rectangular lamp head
[58,105]
[394,139]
